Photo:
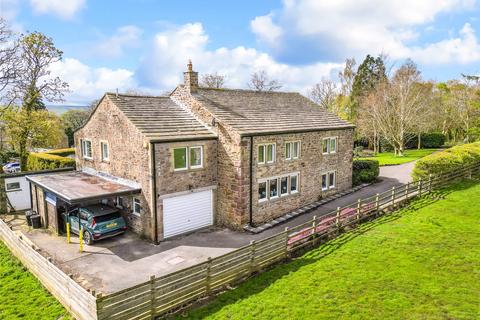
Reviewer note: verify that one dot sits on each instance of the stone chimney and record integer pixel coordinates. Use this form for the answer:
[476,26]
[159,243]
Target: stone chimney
[190,78]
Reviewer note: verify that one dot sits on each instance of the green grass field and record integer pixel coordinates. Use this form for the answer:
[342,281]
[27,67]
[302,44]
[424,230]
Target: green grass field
[21,295]
[422,262]
[389,158]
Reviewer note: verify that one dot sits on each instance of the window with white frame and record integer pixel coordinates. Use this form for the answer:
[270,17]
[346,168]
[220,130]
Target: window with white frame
[86,146]
[329,180]
[104,150]
[266,153]
[13,186]
[292,150]
[277,187]
[329,145]
[137,207]
[187,158]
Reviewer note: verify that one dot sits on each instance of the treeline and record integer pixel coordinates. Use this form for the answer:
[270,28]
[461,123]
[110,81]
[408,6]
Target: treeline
[395,106]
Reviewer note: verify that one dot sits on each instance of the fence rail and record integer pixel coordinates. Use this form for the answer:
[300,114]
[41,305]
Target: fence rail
[161,295]
[79,302]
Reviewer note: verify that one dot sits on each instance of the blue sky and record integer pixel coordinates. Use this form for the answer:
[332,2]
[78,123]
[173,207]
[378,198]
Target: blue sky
[145,44]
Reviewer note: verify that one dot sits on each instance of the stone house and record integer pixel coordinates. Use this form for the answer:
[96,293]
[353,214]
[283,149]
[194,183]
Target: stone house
[219,157]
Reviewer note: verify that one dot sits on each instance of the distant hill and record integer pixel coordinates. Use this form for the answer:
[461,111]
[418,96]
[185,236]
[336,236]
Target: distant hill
[60,109]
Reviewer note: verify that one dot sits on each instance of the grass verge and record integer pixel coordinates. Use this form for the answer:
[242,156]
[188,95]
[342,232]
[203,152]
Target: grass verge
[22,295]
[389,158]
[421,262]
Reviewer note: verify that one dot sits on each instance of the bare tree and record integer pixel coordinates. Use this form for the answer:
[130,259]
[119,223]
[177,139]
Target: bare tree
[346,76]
[395,106]
[9,62]
[259,81]
[324,93]
[213,80]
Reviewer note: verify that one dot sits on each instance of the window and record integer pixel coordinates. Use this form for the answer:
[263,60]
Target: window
[196,157]
[294,183]
[262,191]
[283,186]
[329,145]
[261,154]
[324,181]
[331,180]
[276,187]
[180,158]
[266,153]
[86,146]
[292,150]
[187,158]
[104,150]
[328,180]
[273,187]
[13,186]
[119,202]
[137,208]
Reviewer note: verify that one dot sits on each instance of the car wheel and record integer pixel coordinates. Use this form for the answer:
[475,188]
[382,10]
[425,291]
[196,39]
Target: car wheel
[87,238]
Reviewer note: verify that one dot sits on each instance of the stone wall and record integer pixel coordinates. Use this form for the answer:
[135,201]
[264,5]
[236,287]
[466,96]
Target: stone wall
[128,153]
[170,181]
[311,165]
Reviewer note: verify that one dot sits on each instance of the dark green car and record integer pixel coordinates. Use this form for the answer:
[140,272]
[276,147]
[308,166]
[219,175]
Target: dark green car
[99,222]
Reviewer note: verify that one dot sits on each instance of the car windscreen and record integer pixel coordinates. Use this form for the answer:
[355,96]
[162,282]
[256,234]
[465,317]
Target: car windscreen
[107,217]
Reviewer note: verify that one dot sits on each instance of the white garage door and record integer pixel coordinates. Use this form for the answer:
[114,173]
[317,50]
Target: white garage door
[187,213]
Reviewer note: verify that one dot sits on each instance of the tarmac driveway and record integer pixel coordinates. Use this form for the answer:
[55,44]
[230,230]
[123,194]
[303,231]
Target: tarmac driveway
[124,261]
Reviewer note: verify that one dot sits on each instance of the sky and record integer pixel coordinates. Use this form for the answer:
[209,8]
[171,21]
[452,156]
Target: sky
[144,45]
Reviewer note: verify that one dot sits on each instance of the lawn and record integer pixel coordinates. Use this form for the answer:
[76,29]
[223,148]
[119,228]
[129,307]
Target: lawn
[421,262]
[22,296]
[389,158]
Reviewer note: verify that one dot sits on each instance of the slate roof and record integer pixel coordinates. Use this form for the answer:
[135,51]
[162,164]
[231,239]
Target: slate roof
[159,118]
[253,112]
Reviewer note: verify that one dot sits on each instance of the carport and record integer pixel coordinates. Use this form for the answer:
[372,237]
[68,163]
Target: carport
[53,194]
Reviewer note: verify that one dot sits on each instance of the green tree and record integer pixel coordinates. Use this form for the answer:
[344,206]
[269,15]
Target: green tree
[370,73]
[34,83]
[72,120]
[28,129]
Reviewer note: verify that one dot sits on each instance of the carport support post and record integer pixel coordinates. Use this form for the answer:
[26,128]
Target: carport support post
[68,232]
[80,237]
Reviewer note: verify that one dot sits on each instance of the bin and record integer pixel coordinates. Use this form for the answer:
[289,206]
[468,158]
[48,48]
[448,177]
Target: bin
[36,223]
[28,216]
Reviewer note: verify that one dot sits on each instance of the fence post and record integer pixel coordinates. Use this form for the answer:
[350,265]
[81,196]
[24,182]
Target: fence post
[208,276]
[252,256]
[407,190]
[314,226]
[429,183]
[286,243]
[359,205]
[393,197]
[377,203]
[420,187]
[337,221]
[152,297]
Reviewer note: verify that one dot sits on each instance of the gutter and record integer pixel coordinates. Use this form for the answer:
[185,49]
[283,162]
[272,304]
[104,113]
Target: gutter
[154,191]
[269,133]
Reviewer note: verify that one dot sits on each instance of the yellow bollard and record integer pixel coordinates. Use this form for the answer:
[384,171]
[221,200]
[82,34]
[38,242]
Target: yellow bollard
[80,238]
[68,232]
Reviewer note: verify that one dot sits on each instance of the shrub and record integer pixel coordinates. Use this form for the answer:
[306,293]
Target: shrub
[7,156]
[446,161]
[428,140]
[62,152]
[365,171]
[45,161]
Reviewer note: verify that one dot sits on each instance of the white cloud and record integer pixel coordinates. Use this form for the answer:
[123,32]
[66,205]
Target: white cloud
[65,9]
[264,27]
[124,37]
[87,83]
[338,29]
[172,48]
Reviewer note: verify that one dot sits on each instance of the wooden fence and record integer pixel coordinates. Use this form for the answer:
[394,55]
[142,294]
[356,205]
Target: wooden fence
[164,294]
[79,302]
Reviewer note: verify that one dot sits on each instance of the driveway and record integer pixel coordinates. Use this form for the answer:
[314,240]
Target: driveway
[124,261]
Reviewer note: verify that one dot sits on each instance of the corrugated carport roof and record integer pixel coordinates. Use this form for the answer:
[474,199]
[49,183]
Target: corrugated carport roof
[75,187]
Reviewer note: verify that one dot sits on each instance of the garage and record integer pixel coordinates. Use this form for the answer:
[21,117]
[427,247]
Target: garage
[186,213]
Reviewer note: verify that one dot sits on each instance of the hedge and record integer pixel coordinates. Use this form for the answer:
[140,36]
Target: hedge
[62,152]
[446,161]
[44,161]
[365,171]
